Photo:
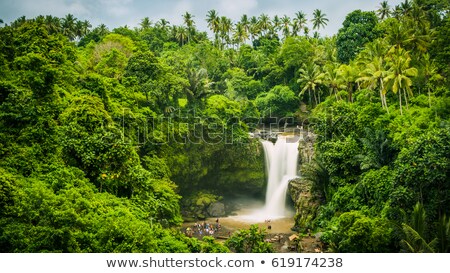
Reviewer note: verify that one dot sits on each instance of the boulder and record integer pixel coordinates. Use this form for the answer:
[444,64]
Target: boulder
[216,209]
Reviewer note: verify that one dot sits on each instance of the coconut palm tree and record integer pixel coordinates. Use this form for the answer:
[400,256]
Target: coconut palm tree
[240,35]
[294,29]
[53,24]
[405,7]
[306,31]
[102,30]
[300,20]
[79,29]
[276,23]
[19,21]
[68,26]
[372,77]
[213,20]
[319,19]
[245,23]
[310,78]
[286,26]
[384,10]
[181,34]
[163,24]
[430,71]
[145,23]
[349,74]
[332,78]
[226,28]
[199,84]
[255,29]
[264,23]
[399,74]
[190,24]
[40,19]
[86,27]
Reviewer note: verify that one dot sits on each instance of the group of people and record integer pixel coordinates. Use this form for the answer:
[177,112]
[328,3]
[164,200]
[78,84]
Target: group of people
[203,229]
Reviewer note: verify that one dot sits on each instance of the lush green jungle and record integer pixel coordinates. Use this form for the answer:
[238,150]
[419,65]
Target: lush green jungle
[110,138]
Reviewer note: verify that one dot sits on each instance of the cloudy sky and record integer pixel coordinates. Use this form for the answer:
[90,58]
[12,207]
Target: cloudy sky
[114,13]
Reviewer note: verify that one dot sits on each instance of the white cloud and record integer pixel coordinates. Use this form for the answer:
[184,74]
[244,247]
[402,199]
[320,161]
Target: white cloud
[235,8]
[117,8]
[116,13]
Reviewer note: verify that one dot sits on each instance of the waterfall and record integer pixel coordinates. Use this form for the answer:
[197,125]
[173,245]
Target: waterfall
[281,165]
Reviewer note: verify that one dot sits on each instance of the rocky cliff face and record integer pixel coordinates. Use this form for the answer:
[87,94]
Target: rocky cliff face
[306,147]
[305,201]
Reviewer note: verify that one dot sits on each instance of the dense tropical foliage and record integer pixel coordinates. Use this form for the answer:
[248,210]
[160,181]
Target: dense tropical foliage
[106,135]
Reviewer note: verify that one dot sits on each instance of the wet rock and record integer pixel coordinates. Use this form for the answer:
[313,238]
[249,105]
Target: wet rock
[216,209]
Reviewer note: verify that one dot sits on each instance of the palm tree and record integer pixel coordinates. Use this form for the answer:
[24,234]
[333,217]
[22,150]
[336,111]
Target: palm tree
[53,24]
[199,84]
[68,26]
[310,78]
[40,19]
[349,74]
[414,233]
[181,34]
[245,23]
[79,29]
[255,29]
[286,23]
[333,79]
[264,23]
[306,31]
[396,12]
[398,35]
[405,7]
[373,76]
[19,21]
[384,10]
[102,30]
[377,48]
[226,27]
[419,16]
[377,150]
[429,71]
[418,40]
[276,23]
[319,19]
[300,20]
[189,22]
[399,74]
[86,27]
[317,173]
[163,24]
[240,35]
[145,23]
[213,21]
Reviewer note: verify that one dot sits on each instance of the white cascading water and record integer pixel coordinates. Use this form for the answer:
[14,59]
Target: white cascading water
[281,165]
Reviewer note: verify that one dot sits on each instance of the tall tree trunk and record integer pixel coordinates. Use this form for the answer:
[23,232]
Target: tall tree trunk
[406,99]
[315,97]
[310,99]
[383,96]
